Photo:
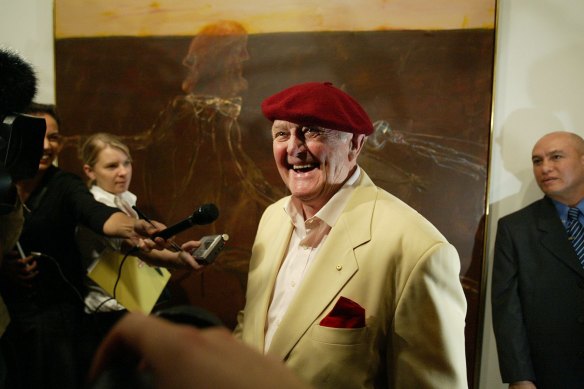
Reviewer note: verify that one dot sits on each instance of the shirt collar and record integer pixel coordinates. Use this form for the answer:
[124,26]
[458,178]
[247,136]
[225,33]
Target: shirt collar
[108,198]
[562,209]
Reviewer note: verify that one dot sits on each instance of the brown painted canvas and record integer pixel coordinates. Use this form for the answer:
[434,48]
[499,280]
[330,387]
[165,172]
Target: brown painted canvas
[182,82]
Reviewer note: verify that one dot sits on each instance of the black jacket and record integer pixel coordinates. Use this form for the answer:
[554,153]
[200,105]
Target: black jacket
[538,299]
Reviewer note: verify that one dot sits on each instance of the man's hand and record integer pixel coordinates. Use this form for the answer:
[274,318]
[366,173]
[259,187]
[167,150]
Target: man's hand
[136,232]
[182,356]
[146,229]
[181,259]
[158,251]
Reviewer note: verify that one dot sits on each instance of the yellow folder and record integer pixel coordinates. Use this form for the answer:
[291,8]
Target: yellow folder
[140,284]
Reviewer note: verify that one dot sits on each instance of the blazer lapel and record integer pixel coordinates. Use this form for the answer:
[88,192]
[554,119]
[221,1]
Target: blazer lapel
[266,275]
[333,267]
[554,237]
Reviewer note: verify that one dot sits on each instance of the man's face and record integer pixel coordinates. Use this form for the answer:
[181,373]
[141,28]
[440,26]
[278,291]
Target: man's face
[53,142]
[314,162]
[558,167]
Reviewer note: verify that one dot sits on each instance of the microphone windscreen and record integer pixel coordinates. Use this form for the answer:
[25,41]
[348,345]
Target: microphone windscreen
[206,214]
[18,83]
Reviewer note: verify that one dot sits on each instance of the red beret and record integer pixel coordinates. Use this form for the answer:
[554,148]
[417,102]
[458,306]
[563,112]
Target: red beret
[318,104]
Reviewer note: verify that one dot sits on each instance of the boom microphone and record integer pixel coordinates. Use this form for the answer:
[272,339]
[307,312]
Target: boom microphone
[205,214]
[18,83]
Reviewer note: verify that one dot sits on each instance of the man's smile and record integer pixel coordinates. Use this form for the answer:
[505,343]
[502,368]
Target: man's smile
[303,168]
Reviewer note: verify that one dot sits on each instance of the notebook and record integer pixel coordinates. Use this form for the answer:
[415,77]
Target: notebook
[140,284]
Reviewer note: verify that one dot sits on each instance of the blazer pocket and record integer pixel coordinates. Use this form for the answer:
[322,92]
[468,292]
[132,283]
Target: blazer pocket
[339,358]
[339,336]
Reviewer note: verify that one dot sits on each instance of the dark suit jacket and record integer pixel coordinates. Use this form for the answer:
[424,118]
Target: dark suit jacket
[538,300]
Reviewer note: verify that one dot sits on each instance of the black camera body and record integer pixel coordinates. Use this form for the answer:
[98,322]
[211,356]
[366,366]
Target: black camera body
[21,145]
[21,136]
[21,148]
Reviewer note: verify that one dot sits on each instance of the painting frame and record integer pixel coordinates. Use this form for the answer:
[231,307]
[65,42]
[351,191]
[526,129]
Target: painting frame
[411,81]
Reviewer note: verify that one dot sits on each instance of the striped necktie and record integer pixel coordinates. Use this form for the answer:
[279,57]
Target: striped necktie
[576,233]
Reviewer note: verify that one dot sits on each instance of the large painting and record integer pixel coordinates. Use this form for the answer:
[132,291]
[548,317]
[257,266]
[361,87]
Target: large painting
[181,82]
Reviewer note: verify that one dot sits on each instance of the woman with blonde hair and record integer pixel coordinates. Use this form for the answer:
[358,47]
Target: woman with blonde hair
[107,163]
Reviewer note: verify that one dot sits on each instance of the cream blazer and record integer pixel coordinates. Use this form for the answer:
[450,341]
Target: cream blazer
[386,257]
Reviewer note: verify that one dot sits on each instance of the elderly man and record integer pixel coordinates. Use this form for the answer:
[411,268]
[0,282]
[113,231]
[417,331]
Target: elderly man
[538,274]
[348,285]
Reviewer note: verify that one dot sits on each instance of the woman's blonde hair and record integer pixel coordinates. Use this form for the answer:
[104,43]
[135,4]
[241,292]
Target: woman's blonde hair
[89,151]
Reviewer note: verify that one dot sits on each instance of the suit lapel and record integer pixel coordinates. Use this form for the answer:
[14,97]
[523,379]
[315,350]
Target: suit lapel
[274,255]
[333,267]
[554,236]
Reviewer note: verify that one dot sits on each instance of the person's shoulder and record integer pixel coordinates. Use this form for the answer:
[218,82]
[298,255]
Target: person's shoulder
[384,200]
[526,218]
[63,176]
[531,210]
[68,184]
[389,202]
[391,212]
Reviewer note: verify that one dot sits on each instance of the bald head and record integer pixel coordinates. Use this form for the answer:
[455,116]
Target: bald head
[574,140]
[558,166]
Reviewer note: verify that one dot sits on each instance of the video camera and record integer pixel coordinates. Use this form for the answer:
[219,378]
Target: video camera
[21,145]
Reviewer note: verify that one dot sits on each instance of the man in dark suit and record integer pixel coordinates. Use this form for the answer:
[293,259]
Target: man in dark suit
[538,277]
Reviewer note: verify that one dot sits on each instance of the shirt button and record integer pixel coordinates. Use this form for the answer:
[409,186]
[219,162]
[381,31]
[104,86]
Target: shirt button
[339,267]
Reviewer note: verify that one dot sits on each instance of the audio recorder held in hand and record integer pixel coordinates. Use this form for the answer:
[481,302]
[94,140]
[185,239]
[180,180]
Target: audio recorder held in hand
[210,246]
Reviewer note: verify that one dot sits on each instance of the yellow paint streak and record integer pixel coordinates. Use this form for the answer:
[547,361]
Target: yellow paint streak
[95,18]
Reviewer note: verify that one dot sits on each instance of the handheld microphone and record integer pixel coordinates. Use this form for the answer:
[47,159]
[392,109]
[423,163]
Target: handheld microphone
[205,214]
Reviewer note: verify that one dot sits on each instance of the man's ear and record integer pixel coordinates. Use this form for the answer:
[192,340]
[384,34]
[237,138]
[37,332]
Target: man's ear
[89,172]
[357,142]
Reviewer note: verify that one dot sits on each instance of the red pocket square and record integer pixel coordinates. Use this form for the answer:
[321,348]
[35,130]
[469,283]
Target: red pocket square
[345,314]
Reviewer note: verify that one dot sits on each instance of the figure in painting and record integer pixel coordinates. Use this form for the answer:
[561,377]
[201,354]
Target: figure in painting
[194,153]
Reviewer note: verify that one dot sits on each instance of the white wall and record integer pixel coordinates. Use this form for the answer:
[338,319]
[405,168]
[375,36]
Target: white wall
[539,87]
[539,79]
[27,27]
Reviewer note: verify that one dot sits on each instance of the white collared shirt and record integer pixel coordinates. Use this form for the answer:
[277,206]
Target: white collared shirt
[112,200]
[97,245]
[307,238]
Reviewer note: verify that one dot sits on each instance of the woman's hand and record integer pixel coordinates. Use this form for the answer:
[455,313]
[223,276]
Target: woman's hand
[182,259]
[20,271]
